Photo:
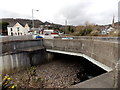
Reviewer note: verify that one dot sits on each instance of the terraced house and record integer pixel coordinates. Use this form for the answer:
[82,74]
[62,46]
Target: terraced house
[16,29]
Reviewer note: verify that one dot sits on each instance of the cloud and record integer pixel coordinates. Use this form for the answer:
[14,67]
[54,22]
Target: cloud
[9,14]
[87,11]
[76,12]
[119,11]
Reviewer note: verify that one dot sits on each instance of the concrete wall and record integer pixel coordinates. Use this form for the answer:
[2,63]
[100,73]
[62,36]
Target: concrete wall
[102,50]
[112,39]
[18,61]
[14,62]
[15,46]
[16,38]
[16,55]
[118,69]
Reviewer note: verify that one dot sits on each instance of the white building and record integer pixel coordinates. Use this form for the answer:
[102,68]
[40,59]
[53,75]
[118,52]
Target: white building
[48,32]
[18,29]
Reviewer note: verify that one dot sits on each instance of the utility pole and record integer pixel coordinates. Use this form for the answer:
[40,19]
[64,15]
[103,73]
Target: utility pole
[33,18]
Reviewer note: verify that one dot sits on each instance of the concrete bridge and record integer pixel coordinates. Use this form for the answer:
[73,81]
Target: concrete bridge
[101,51]
[20,52]
[104,53]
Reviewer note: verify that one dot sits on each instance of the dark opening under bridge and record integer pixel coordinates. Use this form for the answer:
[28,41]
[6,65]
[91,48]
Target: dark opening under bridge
[20,52]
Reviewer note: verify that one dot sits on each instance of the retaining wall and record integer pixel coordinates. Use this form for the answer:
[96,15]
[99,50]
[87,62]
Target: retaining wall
[102,50]
[19,53]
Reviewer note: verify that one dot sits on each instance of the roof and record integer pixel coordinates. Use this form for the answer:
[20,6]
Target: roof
[13,23]
[47,23]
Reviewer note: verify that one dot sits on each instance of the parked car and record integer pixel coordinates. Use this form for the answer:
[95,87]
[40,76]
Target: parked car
[67,38]
[37,36]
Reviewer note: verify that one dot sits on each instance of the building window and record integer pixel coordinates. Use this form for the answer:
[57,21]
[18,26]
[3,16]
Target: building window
[11,33]
[17,28]
[11,29]
[18,33]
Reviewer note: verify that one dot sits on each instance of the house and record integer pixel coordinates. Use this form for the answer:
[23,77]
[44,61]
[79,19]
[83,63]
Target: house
[110,29]
[36,30]
[48,32]
[107,30]
[16,29]
[51,32]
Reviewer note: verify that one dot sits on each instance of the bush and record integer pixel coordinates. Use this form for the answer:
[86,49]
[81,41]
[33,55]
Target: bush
[95,33]
[85,32]
[7,83]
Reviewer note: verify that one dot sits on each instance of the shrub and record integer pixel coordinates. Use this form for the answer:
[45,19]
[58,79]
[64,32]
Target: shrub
[7,83]
[85,32]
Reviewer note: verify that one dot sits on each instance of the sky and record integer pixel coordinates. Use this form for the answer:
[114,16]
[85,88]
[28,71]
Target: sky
[76,12]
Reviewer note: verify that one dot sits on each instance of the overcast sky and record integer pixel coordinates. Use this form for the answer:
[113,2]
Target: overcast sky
[76,12]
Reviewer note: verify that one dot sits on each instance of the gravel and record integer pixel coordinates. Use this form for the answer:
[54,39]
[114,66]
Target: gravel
[55,74]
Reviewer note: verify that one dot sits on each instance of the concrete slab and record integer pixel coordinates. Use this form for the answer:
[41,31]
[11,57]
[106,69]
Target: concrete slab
[103,81]
[31,49]
[82,55]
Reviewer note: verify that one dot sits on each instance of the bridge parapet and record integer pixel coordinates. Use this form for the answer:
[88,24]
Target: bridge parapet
[100,50]
[17,53]
[15,38]
[103,50]
[14,44]
[112,39]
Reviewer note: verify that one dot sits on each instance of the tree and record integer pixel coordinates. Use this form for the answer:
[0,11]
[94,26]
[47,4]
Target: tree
[85,32]
[71,29]
[4,25]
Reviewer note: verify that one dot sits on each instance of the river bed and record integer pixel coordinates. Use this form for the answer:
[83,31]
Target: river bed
[62,72]
[55,74]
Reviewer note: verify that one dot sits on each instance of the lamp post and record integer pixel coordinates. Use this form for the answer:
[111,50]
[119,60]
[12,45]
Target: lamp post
[33,18]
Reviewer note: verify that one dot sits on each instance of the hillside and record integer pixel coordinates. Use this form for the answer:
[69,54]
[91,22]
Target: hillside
[23,21]
[37,23]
